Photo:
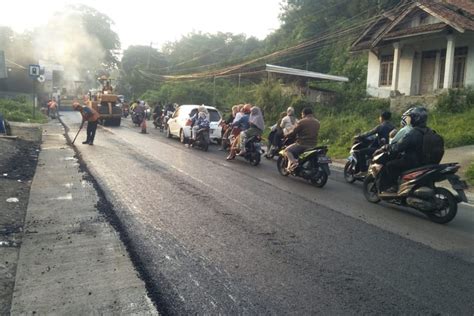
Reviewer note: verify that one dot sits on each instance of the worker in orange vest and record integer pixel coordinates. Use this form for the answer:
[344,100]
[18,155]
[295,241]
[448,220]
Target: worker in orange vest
[92,117]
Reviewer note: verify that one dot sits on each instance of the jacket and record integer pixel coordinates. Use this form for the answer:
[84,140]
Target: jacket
[306,131]
[382,130]
[411,146]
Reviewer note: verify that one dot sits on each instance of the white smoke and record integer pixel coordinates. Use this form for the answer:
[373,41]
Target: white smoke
[65,41]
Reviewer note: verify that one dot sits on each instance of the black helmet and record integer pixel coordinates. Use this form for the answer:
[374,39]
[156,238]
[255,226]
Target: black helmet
[418,115]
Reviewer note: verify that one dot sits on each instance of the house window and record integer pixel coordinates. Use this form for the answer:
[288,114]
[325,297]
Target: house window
[460,57]
[459,71]
[386,70]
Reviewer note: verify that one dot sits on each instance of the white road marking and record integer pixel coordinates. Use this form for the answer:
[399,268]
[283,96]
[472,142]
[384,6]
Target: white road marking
[64,197]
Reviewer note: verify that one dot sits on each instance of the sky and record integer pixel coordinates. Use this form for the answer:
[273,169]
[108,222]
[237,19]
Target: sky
[155,22]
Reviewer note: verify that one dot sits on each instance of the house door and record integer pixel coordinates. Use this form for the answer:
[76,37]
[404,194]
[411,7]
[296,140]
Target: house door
[428,63]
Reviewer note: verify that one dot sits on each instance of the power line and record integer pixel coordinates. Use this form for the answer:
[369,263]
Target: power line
[302,48]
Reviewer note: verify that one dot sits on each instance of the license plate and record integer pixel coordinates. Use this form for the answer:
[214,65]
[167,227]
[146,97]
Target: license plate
[324,160]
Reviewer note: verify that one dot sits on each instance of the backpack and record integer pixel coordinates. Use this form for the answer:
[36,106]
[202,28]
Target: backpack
[433,146]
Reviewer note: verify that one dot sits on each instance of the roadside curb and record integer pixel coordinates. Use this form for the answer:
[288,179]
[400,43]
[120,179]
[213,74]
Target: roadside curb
[71,260]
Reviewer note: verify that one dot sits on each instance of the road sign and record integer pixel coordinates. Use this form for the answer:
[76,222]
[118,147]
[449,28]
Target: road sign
[34,70]
[41,78]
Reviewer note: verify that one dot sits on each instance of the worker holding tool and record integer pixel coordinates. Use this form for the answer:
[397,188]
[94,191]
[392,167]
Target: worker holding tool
[91,116]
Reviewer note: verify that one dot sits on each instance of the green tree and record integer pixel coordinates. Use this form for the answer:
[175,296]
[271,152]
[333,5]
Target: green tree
[137,62]
[98,25]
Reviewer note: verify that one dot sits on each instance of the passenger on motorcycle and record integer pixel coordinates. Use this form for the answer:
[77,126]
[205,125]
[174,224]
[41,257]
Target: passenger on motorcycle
[382,130]
[241,123]
[199,121]
[306,135]
[195,117]
[256,127]
[406,127]
[289,121]
[275,138]
[227,127]
[408,150]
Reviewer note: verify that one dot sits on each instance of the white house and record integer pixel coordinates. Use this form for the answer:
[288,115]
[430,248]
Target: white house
[419,48]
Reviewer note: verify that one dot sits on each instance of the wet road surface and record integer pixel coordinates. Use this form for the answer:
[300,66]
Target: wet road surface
[225,237]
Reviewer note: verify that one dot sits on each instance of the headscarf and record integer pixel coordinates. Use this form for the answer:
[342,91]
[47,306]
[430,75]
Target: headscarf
[202,115]
[256,118]
[290,112]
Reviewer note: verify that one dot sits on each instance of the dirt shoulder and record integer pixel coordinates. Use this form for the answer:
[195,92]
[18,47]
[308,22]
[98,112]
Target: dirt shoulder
[18,160]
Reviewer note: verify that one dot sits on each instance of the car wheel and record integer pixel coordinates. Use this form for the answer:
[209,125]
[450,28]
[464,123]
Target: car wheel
[182,138]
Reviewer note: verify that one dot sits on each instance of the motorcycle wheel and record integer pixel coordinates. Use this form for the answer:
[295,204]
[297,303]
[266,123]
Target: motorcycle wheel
[449,209]
[281,165]
[370,189]
[320,181]
[205,146]
[168,132]
[254,159]
[349,172]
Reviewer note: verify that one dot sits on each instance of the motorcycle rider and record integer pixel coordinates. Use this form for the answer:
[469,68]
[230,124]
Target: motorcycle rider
[289,121]
[383,134]
[241,123]
[256,127]
[408,150]
[305,134]
[199,120]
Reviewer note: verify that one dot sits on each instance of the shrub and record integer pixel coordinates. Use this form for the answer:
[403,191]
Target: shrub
[470,174]
[456,101]
[19,110]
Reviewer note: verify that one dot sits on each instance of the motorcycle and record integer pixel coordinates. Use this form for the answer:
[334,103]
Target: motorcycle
[158,121]
[352,171]
[202,140]
[416,189]
[164,120]
[125,112]
[313,165]
[137,118]
[253,150]
[275,146]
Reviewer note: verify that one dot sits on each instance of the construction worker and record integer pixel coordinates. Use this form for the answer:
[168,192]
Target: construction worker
[91,116]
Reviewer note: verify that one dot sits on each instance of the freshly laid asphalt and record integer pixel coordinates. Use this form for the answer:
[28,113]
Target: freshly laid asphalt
[214,236]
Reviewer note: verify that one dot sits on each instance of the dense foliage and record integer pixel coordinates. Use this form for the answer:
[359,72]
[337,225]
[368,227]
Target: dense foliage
[20,109]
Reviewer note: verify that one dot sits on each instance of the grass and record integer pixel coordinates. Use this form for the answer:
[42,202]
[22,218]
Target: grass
[20,110]
[470,174]
[337,130]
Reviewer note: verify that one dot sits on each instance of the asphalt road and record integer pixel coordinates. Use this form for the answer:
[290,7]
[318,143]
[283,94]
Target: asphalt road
[224,237]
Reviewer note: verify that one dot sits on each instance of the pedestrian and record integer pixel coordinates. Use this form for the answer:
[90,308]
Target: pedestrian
[91,116]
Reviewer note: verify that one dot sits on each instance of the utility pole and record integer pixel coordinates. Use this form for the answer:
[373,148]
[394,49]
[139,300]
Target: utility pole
[149,56]
[238,89]
[214,97]
[34,97]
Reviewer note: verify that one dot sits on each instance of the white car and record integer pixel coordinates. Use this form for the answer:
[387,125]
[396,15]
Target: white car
[179,124]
